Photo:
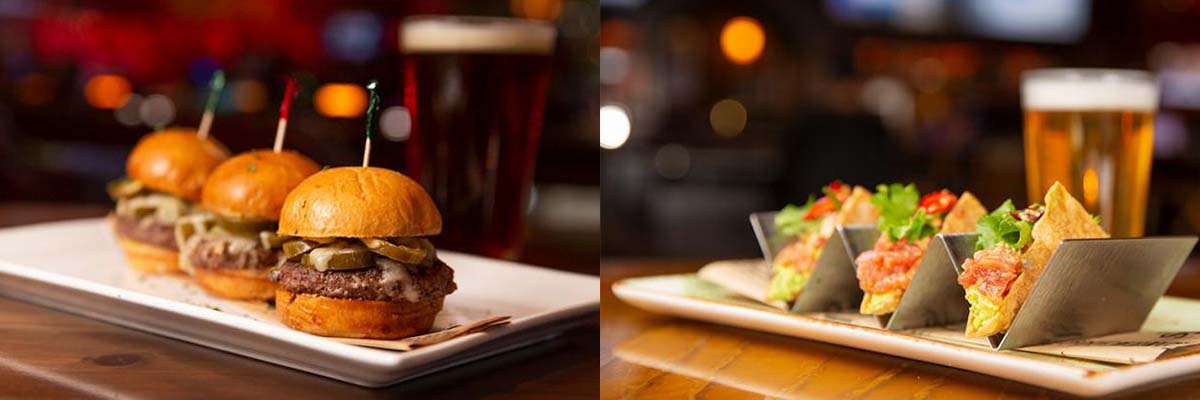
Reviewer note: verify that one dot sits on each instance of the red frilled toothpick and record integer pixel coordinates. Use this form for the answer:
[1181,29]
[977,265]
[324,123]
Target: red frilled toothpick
[288,94]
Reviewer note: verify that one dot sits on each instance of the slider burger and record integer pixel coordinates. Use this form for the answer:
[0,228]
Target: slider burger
[231,248]
[907,221]
[165,174]
[810,226]
[1012,249]
[358,261]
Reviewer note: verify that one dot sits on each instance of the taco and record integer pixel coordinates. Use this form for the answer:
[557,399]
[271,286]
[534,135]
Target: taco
[809,227]
[907,221]
[1010,253]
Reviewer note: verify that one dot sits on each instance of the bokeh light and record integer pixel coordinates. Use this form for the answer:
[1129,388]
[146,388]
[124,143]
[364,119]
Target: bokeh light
[340,100]
[614,126]
[728,118]
[128,113]
[248,96]
[742,40]
[614,65]
[106,91]
[353,35]
[395,123]
[672,161]
[536,9]
[157,111]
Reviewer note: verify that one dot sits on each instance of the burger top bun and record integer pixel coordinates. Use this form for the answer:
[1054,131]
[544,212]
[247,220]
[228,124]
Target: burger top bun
[253,185]
[359,202]
[175,161]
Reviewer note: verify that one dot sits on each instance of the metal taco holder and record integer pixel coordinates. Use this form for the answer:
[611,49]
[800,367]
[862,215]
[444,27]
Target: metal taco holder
[833,285]
[934,297]
[1089,287]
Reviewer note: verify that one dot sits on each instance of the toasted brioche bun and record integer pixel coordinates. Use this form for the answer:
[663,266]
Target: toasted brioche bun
[149,258]
[327,316]
[1065,218]
[359,202]
[237,284]
[175,161]
[253,185]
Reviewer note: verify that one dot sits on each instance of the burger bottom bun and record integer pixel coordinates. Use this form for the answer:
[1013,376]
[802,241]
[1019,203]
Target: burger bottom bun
[237,284]
[149,258]
[327,316]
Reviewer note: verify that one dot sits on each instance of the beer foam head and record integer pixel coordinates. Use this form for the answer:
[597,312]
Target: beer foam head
[1086,90]
[434,34]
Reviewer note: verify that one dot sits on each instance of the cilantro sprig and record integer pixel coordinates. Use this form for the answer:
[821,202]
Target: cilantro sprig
[899,216]
[1000,227]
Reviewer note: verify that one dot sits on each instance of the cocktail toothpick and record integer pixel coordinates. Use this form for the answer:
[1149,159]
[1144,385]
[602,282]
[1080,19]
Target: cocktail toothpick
[214,96]
[281,130]
[372,109]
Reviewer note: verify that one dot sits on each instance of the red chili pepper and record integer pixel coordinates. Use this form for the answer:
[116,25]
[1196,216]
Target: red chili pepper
[938,202]
[821,207]
[836,185]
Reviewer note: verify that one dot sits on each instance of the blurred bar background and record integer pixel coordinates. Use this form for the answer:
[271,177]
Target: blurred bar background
[81,81]
[711,110]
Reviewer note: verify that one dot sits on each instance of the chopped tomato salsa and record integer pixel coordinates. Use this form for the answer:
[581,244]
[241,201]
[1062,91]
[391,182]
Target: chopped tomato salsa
[938,202]
[992,272]
[889,266]
[802,254]
[819,209]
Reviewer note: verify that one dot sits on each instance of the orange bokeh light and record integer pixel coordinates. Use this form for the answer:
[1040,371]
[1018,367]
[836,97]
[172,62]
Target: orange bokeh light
[536,9]
[742,40]
[106,91]
[340,100]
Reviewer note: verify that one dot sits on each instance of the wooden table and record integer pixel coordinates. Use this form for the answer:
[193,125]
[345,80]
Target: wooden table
[50,354]
[680,358]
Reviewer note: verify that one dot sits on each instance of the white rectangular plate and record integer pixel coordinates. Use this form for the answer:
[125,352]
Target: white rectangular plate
[76,266]
[689,296]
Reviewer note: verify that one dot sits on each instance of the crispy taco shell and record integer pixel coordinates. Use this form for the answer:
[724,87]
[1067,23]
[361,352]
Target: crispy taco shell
[961,218]
[1064,218]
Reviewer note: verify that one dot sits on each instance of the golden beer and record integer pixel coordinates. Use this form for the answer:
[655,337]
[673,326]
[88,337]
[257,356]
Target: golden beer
[1092,130]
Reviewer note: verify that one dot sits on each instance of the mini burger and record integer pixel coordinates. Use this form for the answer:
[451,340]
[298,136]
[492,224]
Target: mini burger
[231,247]
[165,174]
[358,261]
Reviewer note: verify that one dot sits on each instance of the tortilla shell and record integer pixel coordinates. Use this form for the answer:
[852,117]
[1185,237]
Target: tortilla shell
[961,218]
[857,209]
[1064,218]
[964,215]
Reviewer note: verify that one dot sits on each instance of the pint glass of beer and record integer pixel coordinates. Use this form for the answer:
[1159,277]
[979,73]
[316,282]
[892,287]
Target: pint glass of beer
[475,88]
[1093,130]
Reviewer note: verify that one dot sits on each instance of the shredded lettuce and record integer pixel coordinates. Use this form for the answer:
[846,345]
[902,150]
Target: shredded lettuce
[790,221]
[1000,227]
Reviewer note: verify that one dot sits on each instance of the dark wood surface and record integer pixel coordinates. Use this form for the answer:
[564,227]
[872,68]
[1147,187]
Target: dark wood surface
[50,354]
[646,355]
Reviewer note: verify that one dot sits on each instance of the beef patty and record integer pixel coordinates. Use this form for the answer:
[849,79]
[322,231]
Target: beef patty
[392,281]
[149,231]
[212,252]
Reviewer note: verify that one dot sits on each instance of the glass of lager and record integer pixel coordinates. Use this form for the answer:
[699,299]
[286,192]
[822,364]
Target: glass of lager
[1092,130]
[476,89]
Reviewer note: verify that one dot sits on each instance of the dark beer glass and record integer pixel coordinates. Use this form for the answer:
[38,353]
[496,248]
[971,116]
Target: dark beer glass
[476,88]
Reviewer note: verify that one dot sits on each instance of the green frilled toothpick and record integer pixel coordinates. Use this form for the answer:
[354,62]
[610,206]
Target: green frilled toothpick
[372,109]
[214,96]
